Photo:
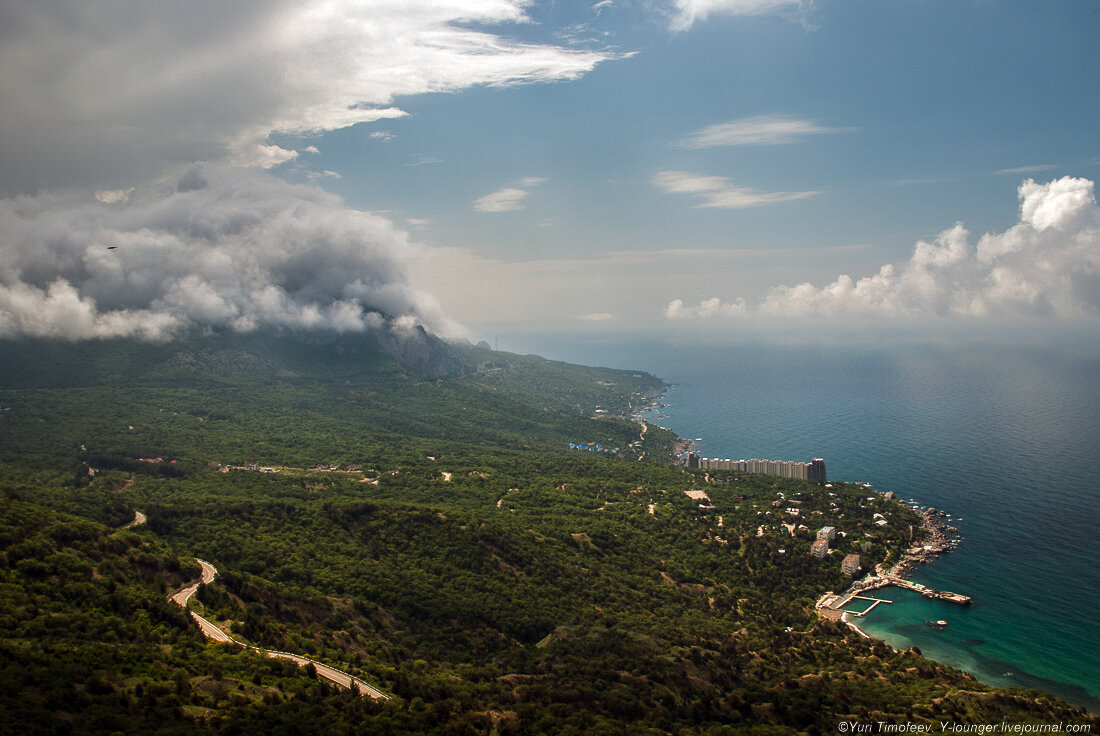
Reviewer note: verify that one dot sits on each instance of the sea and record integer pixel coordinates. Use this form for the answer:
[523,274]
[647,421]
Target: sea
[1004,438]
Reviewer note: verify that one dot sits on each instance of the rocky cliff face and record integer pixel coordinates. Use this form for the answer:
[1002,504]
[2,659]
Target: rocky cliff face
[423,352]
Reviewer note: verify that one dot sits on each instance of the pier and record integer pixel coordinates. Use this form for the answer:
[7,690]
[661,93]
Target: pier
[834,602]
[869,608]
[927,592]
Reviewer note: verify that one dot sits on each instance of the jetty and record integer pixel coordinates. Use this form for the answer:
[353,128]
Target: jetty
[832,603]
[927,592]
[874,602]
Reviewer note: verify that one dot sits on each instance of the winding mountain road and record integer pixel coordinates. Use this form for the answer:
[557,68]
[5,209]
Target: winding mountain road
[209,572]
[211,631]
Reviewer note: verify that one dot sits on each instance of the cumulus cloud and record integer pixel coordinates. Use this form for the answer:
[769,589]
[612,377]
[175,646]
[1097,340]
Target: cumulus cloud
[687,12]
[104,95]
[713,307]
[718,191]
[226,248]
[1046,264]
[507,199]
[760,130]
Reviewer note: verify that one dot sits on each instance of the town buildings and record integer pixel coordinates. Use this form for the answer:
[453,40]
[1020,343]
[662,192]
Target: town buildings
[850,565]
[820,548]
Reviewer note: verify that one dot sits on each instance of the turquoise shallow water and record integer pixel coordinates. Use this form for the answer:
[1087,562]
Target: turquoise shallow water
[1006,439]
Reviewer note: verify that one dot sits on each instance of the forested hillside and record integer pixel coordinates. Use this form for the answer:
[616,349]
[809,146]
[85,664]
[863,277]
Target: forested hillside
[438,538]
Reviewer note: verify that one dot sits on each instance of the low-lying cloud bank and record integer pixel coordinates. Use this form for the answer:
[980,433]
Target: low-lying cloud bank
[215,248]
[1046,264]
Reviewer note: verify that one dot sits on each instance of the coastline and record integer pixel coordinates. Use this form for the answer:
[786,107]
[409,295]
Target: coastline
[853,627]
[1009,629]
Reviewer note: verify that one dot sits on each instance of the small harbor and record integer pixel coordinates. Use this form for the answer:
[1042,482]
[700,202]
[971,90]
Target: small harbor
[942,538]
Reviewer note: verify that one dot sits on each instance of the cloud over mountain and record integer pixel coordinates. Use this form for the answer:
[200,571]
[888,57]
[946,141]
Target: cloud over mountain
[110,97]
[227,248]
[1046,264]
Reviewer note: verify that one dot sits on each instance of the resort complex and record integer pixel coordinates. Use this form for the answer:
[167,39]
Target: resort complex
[813,471]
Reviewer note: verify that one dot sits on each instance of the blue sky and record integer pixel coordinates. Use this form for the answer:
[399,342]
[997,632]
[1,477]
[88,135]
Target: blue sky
[563,165]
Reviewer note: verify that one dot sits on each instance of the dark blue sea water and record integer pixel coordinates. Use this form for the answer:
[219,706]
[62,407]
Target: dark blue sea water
[1007,438]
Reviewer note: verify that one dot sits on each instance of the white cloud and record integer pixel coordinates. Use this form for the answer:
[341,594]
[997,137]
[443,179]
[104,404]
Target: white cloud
[760,130]
[311,149]
[260,155]
[1026,169]
[507,199]
[718,191]
[109,94]
[597,317]
[1065,204]
[326,174]
[1046,264]
[713,307]
[382,135]
[234,249]
[112,196]
[689,11]
[502,200]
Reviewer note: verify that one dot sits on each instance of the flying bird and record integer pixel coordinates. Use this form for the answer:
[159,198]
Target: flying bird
[111,247]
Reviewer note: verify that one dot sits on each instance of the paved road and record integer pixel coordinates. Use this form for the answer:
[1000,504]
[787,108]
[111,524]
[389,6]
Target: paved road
[209,572]
[139,519]
[213,632]
[342,679]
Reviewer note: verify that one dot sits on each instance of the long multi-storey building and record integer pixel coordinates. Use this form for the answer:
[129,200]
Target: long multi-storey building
[813,471]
